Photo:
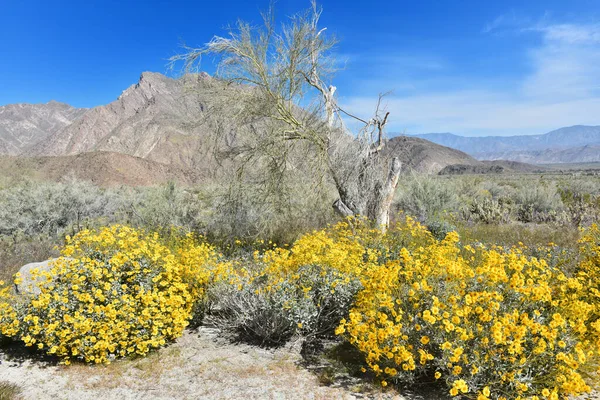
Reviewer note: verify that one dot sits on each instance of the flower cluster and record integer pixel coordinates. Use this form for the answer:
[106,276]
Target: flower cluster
[114,292]
[491,322]
[9,323]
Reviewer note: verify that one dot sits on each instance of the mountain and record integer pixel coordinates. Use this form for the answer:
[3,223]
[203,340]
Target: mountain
[160,126]
[22,126]
[575,141]
[102,168]
[424,156]
[157,119]
[579,154]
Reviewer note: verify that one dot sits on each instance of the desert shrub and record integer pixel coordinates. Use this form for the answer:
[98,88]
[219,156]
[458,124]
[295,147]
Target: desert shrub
[537,203]
[497,190]
[114,292]
[162,207]
[425,197]
[280,210]
[439,228]
[52,208]
[222,212]
[269,311]
[582,201]
[589,266]
[255,312]
[200,267]
[305,289]
[491,323]
[489,210]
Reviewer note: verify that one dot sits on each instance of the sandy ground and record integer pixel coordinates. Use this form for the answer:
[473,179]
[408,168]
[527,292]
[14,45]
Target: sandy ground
[199,365]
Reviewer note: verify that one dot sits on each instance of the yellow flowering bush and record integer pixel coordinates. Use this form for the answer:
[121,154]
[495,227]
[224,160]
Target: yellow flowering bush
[114,292]
[589,266]
[490,322]
[304,290]
[9,323]
[200,267]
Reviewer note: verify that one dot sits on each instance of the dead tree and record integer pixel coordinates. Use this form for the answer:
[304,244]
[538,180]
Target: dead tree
[282,76]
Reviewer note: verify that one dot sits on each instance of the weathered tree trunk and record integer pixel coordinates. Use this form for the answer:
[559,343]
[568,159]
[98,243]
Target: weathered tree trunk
[385,196]
[378,205]
[342,209]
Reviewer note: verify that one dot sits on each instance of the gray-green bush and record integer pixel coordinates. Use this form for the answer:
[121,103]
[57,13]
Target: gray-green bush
[425,197]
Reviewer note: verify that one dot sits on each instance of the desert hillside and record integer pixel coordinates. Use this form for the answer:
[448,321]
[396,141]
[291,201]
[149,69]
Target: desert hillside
[101,168]
[22,126]
[169,123]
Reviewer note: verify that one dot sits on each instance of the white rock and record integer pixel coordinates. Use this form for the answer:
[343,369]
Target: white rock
[28,285]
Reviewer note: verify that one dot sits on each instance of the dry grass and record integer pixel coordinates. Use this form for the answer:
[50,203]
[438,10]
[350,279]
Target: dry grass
[511,234]
[9,391]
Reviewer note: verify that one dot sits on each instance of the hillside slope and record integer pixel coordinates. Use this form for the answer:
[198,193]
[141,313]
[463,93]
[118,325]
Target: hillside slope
[158,118]
[424,156]
[172,122]
[23,126]
[101,168]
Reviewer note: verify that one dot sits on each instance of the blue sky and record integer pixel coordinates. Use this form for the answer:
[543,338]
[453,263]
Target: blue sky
[467,67]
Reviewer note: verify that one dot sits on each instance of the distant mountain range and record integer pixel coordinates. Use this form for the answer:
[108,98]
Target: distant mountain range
[162,129]
[565,145]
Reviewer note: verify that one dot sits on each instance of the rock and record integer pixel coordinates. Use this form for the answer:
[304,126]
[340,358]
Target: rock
[27,285]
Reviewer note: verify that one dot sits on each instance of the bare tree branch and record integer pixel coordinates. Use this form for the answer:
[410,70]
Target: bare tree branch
[288,71]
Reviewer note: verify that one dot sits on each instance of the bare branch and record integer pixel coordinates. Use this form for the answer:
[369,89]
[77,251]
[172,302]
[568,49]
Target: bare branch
[288,72]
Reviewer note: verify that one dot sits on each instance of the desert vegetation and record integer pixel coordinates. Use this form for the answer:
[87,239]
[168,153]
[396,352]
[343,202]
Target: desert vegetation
[483,285]
[443,295]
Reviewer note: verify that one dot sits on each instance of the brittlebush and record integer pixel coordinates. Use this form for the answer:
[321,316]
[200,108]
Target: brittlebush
[114,292]
[490,322]
[280,292]
[9,322]
[200,267]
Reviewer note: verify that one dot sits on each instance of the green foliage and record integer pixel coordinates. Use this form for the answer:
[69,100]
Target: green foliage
[254,314]
[311,303]
[488,322]
[537,203]
[489,211]
[439,229]
[52,208]
[502,199]
[426,197]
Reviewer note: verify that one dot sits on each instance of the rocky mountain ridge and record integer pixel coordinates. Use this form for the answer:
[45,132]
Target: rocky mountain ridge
[22,126]
[158,120]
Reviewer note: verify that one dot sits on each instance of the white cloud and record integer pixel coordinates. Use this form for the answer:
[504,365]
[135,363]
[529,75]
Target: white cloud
[567,65]
[481,113]
[562,88]
[571,34]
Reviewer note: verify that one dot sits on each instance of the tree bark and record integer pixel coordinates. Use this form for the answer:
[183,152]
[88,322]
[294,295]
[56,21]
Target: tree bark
[342,209]
[385,196]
